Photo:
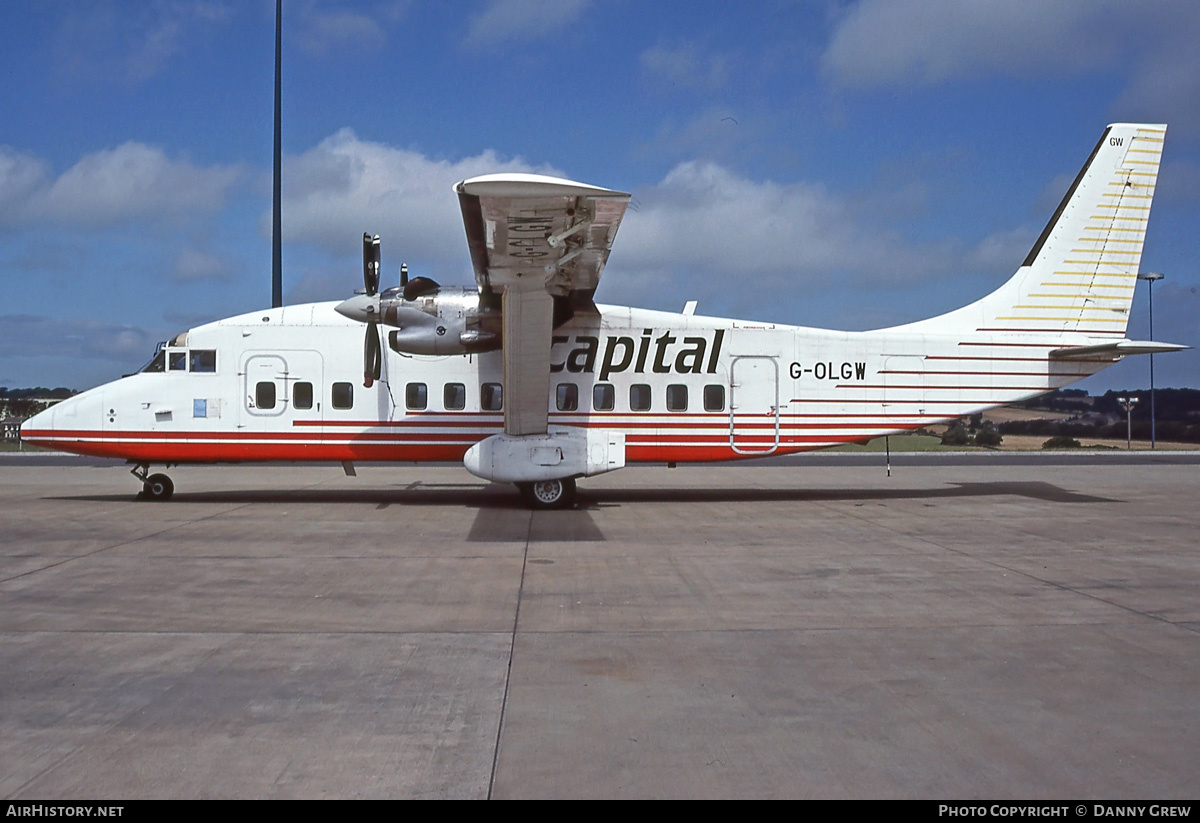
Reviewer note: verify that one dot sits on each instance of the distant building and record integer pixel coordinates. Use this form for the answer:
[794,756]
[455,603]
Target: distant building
[11,427]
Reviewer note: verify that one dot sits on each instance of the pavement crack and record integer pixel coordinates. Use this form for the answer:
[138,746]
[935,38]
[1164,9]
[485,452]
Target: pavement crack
[511,651]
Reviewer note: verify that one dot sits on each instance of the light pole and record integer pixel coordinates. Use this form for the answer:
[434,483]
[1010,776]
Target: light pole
[1127,403]
[1150,277]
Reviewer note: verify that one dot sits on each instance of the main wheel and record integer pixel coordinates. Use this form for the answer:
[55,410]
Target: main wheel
[549,494]
[158,487]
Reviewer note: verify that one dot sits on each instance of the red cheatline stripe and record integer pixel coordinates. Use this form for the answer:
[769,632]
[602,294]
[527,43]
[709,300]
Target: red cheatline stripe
[990,401]
[467,419]
[771,426]
[878,416]
[942,387]
[1022,359]
[159,452]
[474,421]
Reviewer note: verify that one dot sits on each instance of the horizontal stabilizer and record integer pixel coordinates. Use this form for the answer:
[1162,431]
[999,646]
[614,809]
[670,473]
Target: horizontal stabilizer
[1117,348]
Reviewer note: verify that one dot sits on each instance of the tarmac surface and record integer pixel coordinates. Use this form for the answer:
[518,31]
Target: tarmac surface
[962,629]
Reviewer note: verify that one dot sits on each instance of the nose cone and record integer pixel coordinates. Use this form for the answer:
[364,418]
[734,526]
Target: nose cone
[38,427]
[70,425]
[360,307]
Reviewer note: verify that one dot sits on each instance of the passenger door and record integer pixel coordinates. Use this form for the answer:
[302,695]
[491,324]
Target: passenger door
[754,404]
[281,391]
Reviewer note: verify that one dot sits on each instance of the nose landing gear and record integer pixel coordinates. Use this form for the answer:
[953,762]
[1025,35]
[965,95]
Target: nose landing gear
[156,487]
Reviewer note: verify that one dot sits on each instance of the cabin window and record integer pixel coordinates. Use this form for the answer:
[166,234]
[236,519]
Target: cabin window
[604,397]
[302,395]
[714,398]
[204,360]
[416,396]
[567,397]
[177,360]
[264,395]
[454,397]
[677,397]
[343,395]
[491,397]
[639,397]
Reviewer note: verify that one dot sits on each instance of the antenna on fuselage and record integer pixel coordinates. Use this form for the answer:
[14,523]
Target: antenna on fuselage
[276,206]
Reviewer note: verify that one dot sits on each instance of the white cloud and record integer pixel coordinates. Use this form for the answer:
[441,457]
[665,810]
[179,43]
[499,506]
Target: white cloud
[345,186]
[1149,47]
[923,42]
[1001,251]
[905,43]
[505,20]
[323,29]
[703,217]
[20,176]
[702,232]
[110,187]
[706,233]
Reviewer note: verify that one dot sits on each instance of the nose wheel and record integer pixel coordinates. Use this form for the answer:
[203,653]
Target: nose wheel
[549,494]
[155,487]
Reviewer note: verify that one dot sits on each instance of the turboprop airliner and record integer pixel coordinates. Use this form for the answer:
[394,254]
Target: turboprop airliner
[527,380]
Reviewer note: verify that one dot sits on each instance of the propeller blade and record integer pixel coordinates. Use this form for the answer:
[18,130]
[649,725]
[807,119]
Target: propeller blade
[371,264]
[372,355]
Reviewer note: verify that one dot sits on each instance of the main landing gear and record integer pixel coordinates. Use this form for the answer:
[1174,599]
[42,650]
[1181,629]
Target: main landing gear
[549,494]
[156,487]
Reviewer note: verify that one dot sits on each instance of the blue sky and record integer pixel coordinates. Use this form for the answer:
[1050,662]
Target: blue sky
[836,164]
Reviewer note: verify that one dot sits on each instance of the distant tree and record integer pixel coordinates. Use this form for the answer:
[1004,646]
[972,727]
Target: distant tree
[956,434]
[988,436]
[1062,441]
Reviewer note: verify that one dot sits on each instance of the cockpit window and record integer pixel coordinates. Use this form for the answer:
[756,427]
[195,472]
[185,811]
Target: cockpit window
[204,360]
[158,362]
[177,361]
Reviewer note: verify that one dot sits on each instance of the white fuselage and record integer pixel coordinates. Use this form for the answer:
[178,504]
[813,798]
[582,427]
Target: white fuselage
[620,385]
[286,384]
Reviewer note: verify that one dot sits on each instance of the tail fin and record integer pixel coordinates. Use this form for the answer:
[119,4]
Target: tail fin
[1079,277]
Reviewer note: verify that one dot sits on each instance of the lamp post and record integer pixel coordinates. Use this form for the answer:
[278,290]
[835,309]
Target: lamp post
[1150,277]
[1127,403]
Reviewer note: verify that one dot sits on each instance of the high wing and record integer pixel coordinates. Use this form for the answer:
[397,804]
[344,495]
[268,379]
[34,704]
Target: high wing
[540,243]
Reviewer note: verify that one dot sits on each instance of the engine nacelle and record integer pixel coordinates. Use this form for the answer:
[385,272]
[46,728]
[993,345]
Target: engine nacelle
[444,321]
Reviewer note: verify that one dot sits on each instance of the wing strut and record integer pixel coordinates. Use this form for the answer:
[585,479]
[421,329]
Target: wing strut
[528,323]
